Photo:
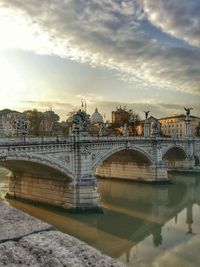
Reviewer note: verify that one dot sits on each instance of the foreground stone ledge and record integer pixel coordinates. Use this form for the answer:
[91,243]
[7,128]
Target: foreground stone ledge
[15,224]
[26,241]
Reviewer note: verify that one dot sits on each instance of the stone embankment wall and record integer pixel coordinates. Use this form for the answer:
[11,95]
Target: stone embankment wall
[27,241]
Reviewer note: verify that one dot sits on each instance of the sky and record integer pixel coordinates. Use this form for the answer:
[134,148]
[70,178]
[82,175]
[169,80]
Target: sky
[139,54]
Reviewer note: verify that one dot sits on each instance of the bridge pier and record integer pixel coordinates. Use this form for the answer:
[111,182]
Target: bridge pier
[159,173]
[83,195]
[159,168]
[83,188]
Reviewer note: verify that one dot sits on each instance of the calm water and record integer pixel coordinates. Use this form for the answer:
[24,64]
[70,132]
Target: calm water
[142,225]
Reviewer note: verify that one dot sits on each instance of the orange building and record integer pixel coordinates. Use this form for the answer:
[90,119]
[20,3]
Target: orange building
[120,116]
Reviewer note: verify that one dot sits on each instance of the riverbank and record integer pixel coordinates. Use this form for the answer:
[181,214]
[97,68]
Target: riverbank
[27,241]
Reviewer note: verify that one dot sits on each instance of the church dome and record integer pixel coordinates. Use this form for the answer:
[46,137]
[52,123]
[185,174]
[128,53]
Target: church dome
[96,117]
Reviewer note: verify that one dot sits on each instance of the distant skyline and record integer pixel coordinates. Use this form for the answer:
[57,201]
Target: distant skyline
[142,54]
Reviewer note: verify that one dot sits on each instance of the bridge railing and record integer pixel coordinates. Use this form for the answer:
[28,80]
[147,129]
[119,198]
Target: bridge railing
[32,140]
[66,140]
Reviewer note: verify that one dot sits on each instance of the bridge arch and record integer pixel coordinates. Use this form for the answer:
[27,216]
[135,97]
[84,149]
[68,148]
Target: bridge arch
[36,161]
[175,150]
[175,156]
[106,154]
[39,179]
[128,163]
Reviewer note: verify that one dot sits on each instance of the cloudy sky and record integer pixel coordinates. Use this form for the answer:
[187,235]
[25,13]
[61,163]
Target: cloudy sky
[143,54]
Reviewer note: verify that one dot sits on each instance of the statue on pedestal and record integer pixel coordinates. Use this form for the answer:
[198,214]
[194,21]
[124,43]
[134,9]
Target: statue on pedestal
[188,111]
[155,128]
[81,121]
[103,130]
[146,114]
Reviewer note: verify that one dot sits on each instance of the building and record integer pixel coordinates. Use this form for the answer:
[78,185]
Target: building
[7,123]
[96,122]
[120,116]
[175,125]
[2,133]
[96,117]
[13,124]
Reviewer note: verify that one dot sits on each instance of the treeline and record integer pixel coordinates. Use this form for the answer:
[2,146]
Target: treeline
[39,123]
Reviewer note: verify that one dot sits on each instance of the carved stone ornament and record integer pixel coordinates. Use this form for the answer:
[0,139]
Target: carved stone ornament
[85,150]
[3,155]
[67,158]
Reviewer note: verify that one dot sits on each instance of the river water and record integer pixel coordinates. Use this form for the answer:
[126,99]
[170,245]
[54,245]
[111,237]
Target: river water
[142,225]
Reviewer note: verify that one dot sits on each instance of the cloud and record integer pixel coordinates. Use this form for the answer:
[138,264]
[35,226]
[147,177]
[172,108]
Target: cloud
[90,98]
[178,18]
[112,33]
[185,254]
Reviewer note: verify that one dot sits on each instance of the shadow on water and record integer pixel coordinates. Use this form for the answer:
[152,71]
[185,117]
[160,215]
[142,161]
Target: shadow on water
[153,218]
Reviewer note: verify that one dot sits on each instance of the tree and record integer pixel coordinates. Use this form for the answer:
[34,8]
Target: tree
[50,122]
[35,119]
[123,116]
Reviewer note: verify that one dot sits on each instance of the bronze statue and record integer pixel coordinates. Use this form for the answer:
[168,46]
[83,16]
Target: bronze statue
[146,114]
[188,111]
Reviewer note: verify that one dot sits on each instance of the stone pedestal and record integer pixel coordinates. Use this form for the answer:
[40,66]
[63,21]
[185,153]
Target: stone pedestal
[159,168]
[188,127]
[146,130]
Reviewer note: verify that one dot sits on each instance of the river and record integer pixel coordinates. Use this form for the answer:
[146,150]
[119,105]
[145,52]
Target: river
[142,225]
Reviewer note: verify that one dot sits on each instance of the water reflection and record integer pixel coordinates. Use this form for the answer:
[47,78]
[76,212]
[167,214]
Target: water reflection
[142,225]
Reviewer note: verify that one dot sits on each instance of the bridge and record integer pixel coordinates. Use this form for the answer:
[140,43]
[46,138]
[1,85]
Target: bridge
[63,172]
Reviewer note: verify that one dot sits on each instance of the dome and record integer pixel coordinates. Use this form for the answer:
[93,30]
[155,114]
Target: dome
[96,117]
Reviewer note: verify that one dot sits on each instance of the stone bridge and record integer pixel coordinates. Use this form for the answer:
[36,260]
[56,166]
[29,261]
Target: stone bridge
[62,172]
